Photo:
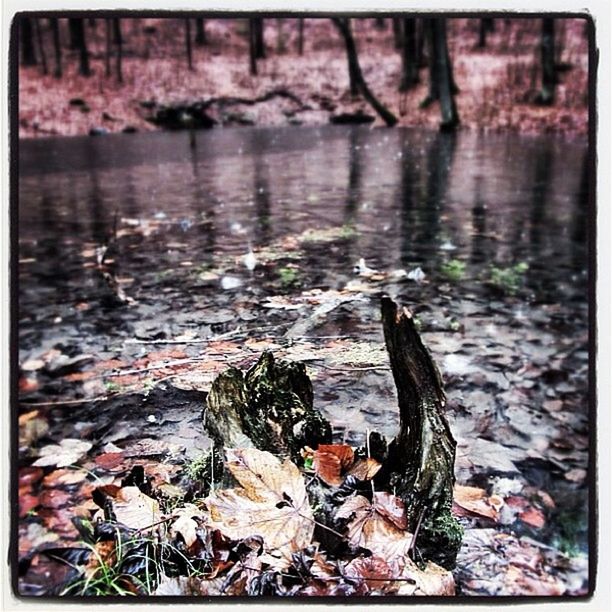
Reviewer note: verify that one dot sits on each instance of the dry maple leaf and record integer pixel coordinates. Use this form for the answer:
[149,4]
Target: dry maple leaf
[131,507]
[272,502]
[371,528]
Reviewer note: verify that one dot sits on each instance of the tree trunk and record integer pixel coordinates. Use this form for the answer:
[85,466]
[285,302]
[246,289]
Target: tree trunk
[397,33]
[547,50]
[41,46]
[260,46]
[188,44]
[119,42]
[486,25]
[28,51]
[420,460]
[343,26]
[200,36]
[410,72]
[73,30]
[54,25]
[109,47]
[300,39]
[78,31]
[252,48]
[380,23]
[448,108]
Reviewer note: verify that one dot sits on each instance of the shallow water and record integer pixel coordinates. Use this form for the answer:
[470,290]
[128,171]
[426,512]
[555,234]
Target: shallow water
[414,199]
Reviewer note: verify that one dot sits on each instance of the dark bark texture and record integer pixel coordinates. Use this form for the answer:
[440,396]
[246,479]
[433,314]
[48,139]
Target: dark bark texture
[547,52]
[420,460]
[343,26]
[54,25]
[28,52]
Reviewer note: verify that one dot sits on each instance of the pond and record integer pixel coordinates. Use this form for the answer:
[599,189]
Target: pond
[496,223]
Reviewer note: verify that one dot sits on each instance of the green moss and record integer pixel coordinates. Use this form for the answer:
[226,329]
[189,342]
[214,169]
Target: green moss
[289,276]
[508,279]
[440,538]
[453,270]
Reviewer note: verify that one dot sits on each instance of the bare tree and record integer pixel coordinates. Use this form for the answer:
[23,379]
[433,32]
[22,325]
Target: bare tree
[397,32]
[344,27]
[252,48]
[41,46]
[77,37]
[28,51]
[410,70]
[119,42]
[300,39]
[260,45]
[54,25]
[448,108]
[441,83]
[109,46]
[486,25]
[188,43]
[547,54]
[200,36]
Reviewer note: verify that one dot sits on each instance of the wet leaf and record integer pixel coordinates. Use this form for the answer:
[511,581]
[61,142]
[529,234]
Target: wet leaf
[272,502]
[374,571]
[370,529]
[185,523]
[365,469]
[108,461]
[390,507]
[131,507]
[54,498]
[331,460]
[532,516]
[29,476]
[475,501]
[67,452]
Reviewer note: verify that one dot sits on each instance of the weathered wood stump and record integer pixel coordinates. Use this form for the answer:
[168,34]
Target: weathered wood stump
[420,460]
[270,407]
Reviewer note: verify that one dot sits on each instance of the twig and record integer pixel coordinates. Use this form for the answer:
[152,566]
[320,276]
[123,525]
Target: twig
[99,398]
[355,369]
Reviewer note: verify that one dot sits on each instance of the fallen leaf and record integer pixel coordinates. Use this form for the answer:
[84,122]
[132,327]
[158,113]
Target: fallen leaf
[391,507]
[67,452]
[131,507]
[108,461]
[475,501]
[372,530]
[532,516]
[54,498]
[63,477]
[365,469]
[29,476]
[272,502]
[374,571]
[185,523]
[330,460]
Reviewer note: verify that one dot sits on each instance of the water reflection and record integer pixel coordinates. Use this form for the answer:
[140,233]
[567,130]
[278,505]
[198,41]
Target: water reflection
[499,199]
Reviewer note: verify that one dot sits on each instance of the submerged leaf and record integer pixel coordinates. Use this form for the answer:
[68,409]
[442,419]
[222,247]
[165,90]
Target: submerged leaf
[67,452]
[131,507]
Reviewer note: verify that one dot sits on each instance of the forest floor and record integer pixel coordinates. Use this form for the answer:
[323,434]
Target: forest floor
[498,84]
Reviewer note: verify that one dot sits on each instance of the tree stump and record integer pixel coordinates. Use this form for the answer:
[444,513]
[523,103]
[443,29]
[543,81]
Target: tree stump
[270,407]
[419,465]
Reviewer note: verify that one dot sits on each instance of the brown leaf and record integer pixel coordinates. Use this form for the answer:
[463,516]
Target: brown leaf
[391,507]
[54,498]
[108,461]
[370,529]
[474,500]
[64,477]
[131,506]
[29,476]
[330,460]
[365,469]
[374,571]
[272,502]
[534,517]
